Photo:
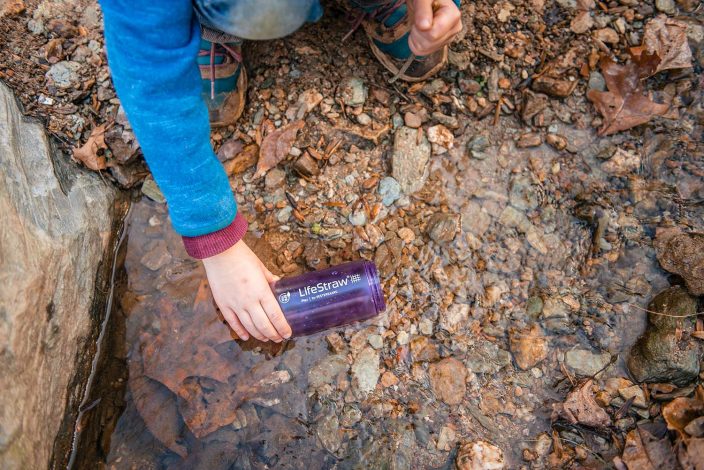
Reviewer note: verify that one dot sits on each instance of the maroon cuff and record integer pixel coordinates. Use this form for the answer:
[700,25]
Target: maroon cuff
[205,246]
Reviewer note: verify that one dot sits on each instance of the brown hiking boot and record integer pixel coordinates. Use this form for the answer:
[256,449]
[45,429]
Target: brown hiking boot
[387,24]
[224,76]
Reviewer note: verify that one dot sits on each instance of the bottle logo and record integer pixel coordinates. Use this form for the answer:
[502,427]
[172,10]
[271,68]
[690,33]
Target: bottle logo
[284,297]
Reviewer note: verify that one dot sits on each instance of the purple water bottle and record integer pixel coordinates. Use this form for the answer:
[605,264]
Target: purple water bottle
[331,297]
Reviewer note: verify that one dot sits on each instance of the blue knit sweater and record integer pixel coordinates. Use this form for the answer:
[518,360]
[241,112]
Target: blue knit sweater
[152,56]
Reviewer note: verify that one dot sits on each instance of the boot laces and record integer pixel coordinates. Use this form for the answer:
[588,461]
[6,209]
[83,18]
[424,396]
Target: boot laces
[379,10]
[219,47]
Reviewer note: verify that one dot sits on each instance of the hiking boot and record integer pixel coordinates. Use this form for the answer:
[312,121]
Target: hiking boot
[223,75]
[387,24]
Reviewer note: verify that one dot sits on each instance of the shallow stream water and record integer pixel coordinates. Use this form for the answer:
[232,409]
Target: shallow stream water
[181,393]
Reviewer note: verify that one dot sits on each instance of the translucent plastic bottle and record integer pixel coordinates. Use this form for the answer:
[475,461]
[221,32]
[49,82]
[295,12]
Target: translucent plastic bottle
[331,297]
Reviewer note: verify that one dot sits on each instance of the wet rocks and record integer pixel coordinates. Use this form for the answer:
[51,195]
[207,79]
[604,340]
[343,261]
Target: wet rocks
[479,455]
[424,350]
[447,438]
[475,219]
[365,370]
[524,194]
[622,162]
[412,120]
[683,254]
[529,346]
[352,91]
[327,370]
[328,431]
[409,159]
[666,353]
[477,146]
[454,317]
[447,378]
[529,139]
[152,191]
[666,6]
[389,190]
[56,237]
[443,227]
[157,257]
[556,141]
[585,363]
[485,357]
[441,138]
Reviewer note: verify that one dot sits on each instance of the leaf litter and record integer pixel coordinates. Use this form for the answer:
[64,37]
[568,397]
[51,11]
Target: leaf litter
[626,105]
[275,146]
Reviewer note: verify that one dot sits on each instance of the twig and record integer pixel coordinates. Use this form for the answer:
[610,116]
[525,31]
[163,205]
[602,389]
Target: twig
[665,314]
[497,113]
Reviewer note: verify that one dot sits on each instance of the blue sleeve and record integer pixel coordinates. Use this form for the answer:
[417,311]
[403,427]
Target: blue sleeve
[152,49]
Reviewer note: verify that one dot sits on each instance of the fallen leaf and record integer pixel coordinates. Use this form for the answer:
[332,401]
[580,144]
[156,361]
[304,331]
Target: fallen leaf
[88,153]
[581,407]
[275,147]
[156,405]
[680,412]
[691,455]
[648,447]
[244,160]
[624,105]
[665,38]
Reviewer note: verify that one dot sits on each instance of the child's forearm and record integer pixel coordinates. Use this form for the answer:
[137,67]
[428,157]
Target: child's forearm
[152,48]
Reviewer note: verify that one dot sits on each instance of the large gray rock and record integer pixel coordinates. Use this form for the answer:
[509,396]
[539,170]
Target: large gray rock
[409,160]
[57,225]
[666,352]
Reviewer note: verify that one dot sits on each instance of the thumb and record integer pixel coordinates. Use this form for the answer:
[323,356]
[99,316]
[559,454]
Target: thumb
[423,14]
[270,278]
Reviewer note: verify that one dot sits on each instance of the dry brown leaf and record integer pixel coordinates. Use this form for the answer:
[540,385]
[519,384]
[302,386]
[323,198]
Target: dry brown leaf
[581,407]
[275,146]
[88,153]
[666,38]
[624,105]
[648,447]
[244,160]
[691,455]
[680,411]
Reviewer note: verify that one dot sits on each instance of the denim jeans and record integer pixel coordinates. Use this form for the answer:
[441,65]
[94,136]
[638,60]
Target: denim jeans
[257,19]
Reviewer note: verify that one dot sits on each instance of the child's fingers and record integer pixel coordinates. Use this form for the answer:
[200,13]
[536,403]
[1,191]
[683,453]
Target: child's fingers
[423,14]
[249,324]
[269,276]
[276,316]
[262,322]
[446,19]
[235,323]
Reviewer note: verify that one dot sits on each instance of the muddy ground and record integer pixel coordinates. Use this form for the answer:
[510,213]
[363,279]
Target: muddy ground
[518,262]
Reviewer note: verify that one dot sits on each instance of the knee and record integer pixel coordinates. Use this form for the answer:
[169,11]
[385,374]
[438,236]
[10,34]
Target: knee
[255,19]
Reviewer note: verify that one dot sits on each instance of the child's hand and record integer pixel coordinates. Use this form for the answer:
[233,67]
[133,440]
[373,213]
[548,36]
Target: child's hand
[241,288]
[435,23]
